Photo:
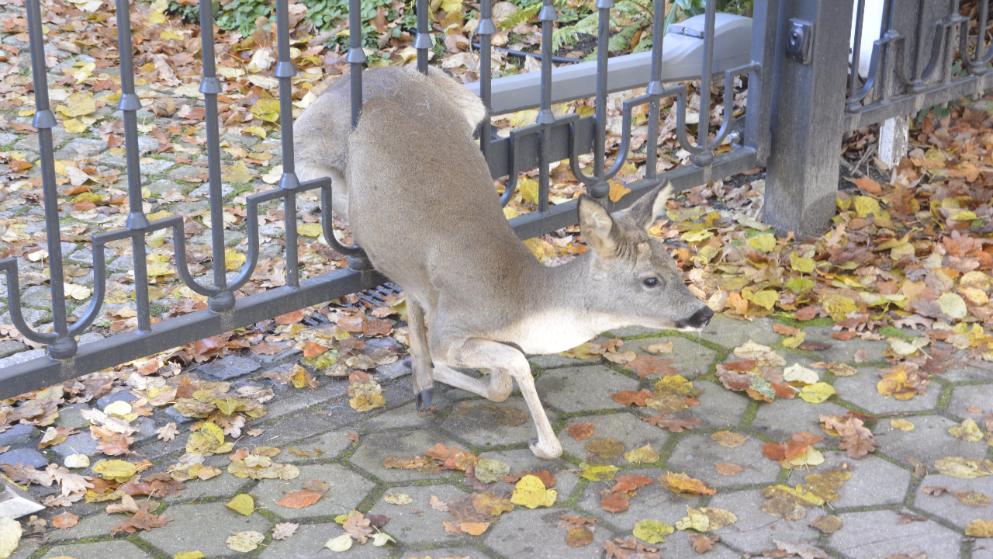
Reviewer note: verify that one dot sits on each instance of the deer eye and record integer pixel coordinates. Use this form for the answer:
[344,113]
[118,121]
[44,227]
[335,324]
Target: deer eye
[651,281]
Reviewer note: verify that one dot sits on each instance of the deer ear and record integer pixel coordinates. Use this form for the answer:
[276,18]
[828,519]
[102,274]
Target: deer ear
[650,206]
[597,226]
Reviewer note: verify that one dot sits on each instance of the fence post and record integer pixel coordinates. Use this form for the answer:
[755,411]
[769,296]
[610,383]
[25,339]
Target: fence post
[811,66]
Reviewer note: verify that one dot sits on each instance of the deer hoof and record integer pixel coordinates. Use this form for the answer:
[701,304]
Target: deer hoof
[423,399]
[546,450]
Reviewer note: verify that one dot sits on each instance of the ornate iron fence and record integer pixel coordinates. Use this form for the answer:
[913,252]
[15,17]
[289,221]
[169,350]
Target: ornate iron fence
[797,111]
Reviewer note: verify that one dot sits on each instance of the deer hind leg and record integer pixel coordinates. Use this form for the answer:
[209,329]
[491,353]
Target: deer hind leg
[497,389]
[420,356]
[502,359]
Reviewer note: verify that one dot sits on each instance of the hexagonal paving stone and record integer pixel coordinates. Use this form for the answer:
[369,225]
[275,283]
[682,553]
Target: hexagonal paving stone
[860,390]
[446,553]
[347,491]
[732,332]
[536,534]
[688,358]
[782,418]
[755,529]
[203,527]
[982,549]
[374,448]
[678,545]
[946,505]
[719,408]
[98,524]
[972,400]
[696,455]
[969,371]
[855,350]
[869,535]
[874,481]
[926,443]
[652,501]
[624,427]
[417,522]
[308,543]
[115,549]
[407,416]
[218,486]
[485,424]
[573,389]
[330,445]
[523,460]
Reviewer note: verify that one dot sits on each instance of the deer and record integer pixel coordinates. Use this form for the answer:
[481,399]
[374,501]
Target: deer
[420,201]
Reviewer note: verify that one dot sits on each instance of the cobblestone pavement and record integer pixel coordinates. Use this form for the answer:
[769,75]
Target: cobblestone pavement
[894,503]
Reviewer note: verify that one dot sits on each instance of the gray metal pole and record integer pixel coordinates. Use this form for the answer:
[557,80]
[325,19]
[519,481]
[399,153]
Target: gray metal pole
[808,115]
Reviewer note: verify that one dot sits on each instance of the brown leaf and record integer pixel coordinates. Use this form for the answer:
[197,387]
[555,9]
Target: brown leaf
[702,543]
[615,502]
[647,365]
[141,520]
[578,536]
[632,397]
[672,423]
[580,431]
[728,469]
[65,520]
[868,185]
[300,499]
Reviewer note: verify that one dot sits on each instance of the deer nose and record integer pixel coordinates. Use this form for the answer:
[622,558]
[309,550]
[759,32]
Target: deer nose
[698,319]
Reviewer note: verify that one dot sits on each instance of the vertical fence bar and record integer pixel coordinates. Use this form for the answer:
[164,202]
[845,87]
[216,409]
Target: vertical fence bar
[288,182]
[485,31]
[210,87]
[706,155]
[545,118]
[853,68]
[916,81]
[654,89]
[600,187]
[766,48]
[356,57]
[978,62]
[423,41]
[44,120]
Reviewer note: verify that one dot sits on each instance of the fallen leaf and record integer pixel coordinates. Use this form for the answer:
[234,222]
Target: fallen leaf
[242,504]
[682,483]
[530,492]
[284,530]
[980,529]
[580,431]
[65,520]
[652,531]
[339,544]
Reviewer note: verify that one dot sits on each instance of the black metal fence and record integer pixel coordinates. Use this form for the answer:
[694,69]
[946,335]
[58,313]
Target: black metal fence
[797,110]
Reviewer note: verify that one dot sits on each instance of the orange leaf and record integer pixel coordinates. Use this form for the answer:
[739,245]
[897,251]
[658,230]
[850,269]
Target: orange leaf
[580,431]
[474,528]
[615,502]
[290,318]
[65,520]
[313,349]
[300,499]
[682,483]
[632,398]
[868,185]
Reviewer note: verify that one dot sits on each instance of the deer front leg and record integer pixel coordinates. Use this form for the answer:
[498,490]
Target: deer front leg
[497,389]
[420,357]
[479,353]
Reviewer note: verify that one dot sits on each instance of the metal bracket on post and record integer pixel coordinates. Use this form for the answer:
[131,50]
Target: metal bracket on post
[800,40]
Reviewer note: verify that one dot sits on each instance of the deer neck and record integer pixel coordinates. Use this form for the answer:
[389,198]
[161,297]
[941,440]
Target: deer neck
[559,310]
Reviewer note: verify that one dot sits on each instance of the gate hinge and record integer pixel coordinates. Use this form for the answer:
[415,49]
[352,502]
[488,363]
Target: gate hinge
[800,40]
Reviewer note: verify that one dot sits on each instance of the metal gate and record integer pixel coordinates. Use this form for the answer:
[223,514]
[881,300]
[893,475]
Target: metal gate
[798,108]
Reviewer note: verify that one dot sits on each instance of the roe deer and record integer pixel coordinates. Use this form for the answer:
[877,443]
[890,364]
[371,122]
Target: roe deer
[421,203]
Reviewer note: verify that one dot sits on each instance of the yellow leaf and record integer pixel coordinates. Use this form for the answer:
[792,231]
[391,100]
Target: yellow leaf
[115,470]
[233,259]
[78,104]
[682,483]
[953,305]
[208,438]
[865,206]
[706,519]
[812,457]
[310,229]
[339,544]
[642,455]
[74,125]
[980,529]
[242,504]
[365,396]
[189,555]
[266,109]
[967,431]
[598,472]
[794,342]
[838,306]
[801,264]
[652,531]
[530,492]
[237,173]
[766,298]
[617,190]
[902,425]
[528,189]
[696,236]
[816,393]
[540,248]
[77,292]
[763,242]
[964,468]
